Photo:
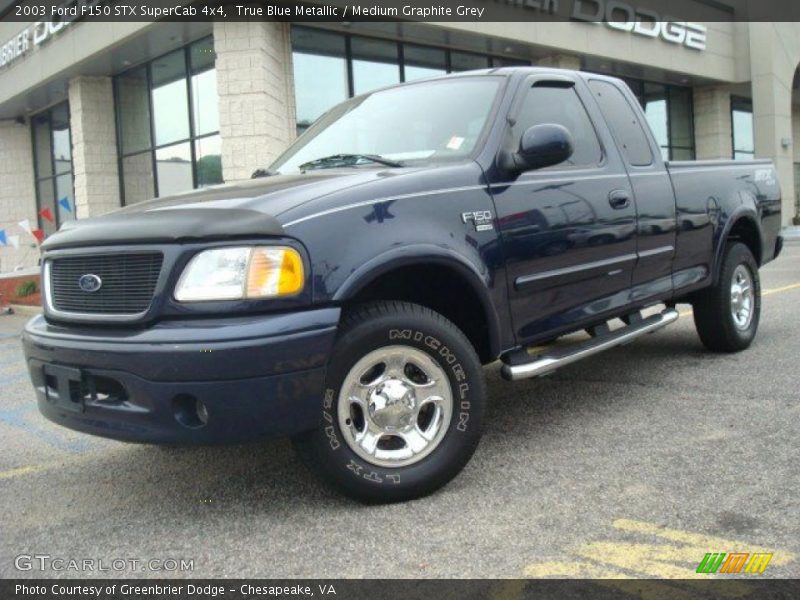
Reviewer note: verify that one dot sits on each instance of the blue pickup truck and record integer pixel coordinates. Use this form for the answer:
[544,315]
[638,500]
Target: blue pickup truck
[350,293]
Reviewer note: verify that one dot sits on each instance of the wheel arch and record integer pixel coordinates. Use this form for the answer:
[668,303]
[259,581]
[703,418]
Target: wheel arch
[742,227]
[414,274]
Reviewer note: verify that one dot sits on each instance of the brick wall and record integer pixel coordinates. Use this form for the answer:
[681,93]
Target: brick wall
[256,94]
[712,122]
[17,195]
[94,145]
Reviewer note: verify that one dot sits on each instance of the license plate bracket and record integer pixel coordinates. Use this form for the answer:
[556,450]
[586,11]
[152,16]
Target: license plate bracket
[64,387]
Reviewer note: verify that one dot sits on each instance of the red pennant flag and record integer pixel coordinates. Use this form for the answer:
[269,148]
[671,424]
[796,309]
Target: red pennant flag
[38,234]
[46,213]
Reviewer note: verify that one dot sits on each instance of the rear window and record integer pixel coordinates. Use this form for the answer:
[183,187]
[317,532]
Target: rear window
[624,123]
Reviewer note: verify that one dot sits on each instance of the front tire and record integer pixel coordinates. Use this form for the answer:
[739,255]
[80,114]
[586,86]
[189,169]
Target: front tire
[726,315]
[402,408]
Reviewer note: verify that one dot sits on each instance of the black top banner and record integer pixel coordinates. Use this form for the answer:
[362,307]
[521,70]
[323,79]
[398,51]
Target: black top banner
[623,12]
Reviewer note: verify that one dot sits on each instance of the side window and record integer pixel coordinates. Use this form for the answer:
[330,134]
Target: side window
[560,105]
[624,122]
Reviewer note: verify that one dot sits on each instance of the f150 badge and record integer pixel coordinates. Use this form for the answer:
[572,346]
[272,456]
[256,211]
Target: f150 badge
[482,219]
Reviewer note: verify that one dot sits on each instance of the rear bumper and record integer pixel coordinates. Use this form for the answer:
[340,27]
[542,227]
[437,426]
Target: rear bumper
[256,376]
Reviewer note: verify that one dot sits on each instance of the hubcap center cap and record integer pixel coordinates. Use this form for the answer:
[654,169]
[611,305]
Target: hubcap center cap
[392,405]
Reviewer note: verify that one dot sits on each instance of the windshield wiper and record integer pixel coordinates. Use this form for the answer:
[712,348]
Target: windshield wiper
[347,160]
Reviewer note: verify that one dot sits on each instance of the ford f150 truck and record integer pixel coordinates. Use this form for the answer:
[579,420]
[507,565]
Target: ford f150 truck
[349,294]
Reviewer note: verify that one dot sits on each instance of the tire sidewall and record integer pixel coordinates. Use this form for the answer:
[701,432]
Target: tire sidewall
[455,356]
[739,254]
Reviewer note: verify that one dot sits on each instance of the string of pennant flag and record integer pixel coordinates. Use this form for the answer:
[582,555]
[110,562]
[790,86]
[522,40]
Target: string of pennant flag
[25,224]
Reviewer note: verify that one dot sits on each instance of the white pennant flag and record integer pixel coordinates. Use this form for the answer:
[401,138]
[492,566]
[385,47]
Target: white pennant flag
[26,225]
[14,241]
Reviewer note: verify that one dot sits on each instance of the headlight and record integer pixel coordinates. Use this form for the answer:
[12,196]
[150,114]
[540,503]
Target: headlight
[241,272]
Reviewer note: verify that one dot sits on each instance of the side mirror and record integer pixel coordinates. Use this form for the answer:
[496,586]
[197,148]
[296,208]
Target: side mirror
[542,146]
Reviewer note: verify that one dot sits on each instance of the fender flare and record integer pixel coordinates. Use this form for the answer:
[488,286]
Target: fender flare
[745,213]
[426,255]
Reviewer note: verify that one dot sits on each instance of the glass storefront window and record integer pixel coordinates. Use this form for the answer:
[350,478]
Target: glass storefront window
[421,62]
[168,124]
[465,61]
[209,160]
[656,113]
[375,64]
[170,98]
[138,179]
[174,169]
[133,110]
[205,102]
[669,113]
[744,145]
[62,144]
[330,67]
[52,159]
[681,123]
[320,73]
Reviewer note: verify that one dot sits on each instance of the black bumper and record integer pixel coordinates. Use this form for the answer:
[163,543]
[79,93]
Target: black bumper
[256,376]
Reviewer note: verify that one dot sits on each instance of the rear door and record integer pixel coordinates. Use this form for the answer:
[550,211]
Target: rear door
[568,231]
[652,188]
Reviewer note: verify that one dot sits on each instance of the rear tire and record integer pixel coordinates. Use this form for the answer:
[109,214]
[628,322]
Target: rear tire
[726,315]
[403,405]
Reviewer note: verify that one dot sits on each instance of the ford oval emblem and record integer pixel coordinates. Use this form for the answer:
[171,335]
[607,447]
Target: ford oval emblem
[90,283]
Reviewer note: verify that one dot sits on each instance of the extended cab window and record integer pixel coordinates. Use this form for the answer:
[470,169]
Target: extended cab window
[624,122]
[561,106]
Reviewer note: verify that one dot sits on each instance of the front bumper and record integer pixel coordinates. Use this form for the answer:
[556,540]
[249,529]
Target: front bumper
[256,376]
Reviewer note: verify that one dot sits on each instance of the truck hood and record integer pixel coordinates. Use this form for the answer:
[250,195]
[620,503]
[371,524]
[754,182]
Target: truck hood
[246,209]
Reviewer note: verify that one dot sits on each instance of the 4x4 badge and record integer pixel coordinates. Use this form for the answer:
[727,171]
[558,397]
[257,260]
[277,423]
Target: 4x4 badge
[482,219]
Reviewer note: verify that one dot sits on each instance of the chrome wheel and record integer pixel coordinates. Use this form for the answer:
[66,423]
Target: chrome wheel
[395,406]
[743,297]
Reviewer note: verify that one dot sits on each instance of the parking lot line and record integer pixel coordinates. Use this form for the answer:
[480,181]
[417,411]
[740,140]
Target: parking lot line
[22,471]
[674,555]
[786,288]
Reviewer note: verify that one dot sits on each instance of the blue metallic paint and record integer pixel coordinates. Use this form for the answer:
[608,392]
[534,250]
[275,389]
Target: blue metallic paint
[352,225]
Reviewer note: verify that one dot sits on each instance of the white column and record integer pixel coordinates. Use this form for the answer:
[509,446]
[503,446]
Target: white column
[256,94]
[774,54]
[94,145]
[17,195]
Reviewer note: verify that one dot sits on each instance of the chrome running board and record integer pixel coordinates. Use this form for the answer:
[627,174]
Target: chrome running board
[542,364]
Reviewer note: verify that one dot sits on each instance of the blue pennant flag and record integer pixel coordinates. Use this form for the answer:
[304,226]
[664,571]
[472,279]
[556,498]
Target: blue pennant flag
[3,237]
[65,203]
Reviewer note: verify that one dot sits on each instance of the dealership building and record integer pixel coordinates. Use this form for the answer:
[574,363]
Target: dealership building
[94,116]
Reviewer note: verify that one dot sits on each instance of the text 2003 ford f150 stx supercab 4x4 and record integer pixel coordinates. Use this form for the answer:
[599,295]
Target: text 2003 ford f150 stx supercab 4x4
[349,295]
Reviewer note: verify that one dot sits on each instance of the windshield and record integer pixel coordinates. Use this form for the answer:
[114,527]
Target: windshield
[427,121]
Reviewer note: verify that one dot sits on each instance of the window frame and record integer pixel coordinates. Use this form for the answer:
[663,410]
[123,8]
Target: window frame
[54,174]
[153,148]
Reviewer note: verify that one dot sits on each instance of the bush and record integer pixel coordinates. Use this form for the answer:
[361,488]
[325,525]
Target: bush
[26,288]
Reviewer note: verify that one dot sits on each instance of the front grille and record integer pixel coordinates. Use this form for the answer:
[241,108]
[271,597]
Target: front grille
[128,283]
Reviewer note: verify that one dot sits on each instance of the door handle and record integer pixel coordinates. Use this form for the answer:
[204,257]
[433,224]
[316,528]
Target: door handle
[619,199]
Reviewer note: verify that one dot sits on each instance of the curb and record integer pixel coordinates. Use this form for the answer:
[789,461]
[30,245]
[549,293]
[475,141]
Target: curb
[26,310]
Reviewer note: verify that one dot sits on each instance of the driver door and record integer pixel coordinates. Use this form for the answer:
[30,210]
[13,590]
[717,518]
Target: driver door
[568,231]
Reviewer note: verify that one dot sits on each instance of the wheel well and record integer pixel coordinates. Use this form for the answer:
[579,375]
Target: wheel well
[441,289]
[744,230]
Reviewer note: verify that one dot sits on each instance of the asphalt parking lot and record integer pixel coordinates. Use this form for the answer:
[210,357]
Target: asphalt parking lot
[634,463]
